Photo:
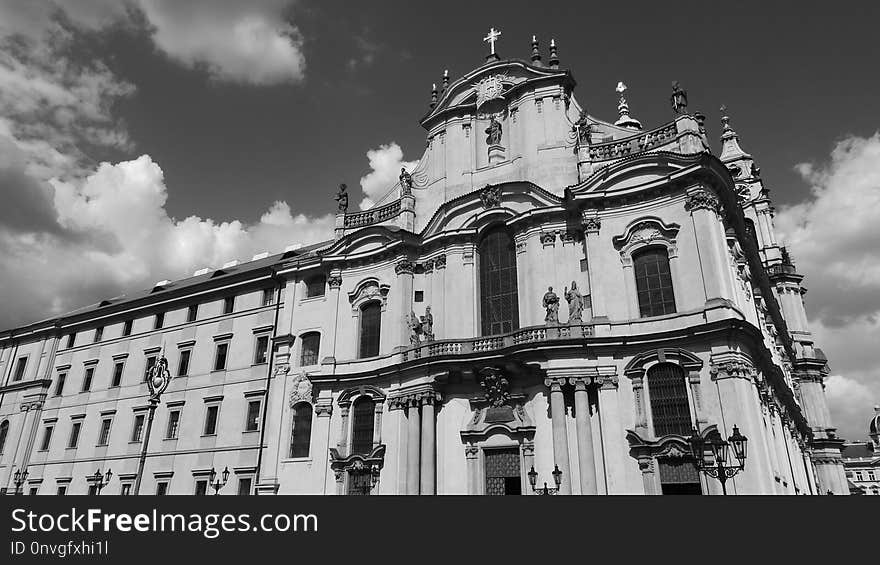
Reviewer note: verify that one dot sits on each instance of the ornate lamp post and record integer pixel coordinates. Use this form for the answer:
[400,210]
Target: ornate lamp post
[19,479]
[533,480]
[710,457]
[218,483]
[101,480]
[160,378]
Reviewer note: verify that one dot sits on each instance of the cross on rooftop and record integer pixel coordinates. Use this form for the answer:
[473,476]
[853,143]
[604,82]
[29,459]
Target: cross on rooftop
[492,38]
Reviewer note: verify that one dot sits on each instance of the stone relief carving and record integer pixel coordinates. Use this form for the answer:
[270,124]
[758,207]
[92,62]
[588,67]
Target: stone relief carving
[491,196]
[301,390]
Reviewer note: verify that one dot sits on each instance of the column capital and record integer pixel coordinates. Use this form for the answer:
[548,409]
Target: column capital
[335,281]
[404,267]
[609,382]
[440,262]
[590,221]
[555,383]
[702,199]
[731,370]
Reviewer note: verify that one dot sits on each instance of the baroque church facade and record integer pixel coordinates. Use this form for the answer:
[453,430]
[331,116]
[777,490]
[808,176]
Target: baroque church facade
[546,296]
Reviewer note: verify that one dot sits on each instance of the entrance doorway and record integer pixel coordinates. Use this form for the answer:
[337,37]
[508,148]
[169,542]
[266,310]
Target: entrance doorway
[678,476]
[503,471]
[359,483]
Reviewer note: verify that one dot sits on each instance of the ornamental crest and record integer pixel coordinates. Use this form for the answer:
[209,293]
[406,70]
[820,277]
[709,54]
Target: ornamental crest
[159,379]
[496,385]
[302,389]
[491,196]
[489,88]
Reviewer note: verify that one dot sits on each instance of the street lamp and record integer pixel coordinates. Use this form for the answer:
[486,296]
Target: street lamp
[19,478]
[533,480]
[218,484]
[101,480]
[159,377]
[710,456]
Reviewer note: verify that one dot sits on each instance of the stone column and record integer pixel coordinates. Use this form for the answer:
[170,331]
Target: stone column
[429,446]
[334,281]
[472,456]
[637,377]
[615,451]
[598,296]
[438,298]
[711,245]
[560,435]
[697,393]
[528,454]
[413,443]
[403,297]
[646,466]
[342,444]
[586,457]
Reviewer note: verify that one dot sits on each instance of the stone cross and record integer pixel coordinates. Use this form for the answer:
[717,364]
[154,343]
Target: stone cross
[492,38]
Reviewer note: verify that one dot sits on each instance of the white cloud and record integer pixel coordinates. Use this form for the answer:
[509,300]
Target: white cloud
[834,237]
[385,162]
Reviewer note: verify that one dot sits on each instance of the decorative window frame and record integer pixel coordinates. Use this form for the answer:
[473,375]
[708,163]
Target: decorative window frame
[298,350]
[341,461]
[644,232]
[302,392]
[365,291]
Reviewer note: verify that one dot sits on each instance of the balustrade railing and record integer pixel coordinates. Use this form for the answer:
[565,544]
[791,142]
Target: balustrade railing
[632,145]
[373,216]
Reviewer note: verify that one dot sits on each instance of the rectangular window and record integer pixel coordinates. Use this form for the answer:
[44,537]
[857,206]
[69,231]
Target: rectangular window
[871,476]
[138,429]
[220,357]
[653,282]
[244,486]
[160,321]
[311,342]
[173,424]
[268,296]
[74,435]
[20,366]
[34,491]
[93,489]
[59,388]
[161,488]
[99,333]
[62,490]
[183,363]
[126,489]
[192,313]
[252,423]
[419,296]
[118,367]
[201,488]
[71,340]
[211,420]
[261,349]
[126,328]
[104,436]
[87,379]
[859,476]
[315,286]
[47,438]
[229,305]
[151,361]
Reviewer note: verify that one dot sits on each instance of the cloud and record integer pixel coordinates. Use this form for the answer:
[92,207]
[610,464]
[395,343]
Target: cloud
[252,43]
[385,162]
[834,237]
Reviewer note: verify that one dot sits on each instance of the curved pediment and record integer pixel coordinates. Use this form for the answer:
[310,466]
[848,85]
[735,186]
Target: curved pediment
[498,80]
[366,241]
[492,203]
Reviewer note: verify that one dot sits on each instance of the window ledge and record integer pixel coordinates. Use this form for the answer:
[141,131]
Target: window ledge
[313,299]
[170,439]
[297,460]
[250,431]
[209,435]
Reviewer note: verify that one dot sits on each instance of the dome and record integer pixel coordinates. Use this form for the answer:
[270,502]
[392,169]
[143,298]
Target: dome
[874,426]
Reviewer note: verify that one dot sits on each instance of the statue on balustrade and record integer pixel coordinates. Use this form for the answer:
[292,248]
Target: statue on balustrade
[406,182]
[342,199]
[679,98]
[421,329]
[551,304]
[575,303]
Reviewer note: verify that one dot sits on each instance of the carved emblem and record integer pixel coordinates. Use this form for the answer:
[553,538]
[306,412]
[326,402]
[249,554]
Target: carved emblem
[302,390]
[491,196]
[496,386]
[489,88]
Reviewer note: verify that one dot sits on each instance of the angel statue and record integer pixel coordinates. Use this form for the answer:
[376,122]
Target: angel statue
[575,303]
[551,303]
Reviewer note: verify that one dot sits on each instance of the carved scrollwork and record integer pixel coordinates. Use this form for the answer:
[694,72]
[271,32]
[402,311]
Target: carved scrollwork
[404,267]
[301,390]
[702,200]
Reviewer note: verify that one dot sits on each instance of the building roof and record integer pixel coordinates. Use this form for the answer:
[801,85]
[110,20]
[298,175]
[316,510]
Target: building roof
[860,450]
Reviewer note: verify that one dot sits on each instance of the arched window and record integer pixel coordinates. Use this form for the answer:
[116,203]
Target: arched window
[315,286]
[301,432]
[311,342]
[499,309]
[667,390]
[371,322]
[363,421]
[653,282]
[4,431]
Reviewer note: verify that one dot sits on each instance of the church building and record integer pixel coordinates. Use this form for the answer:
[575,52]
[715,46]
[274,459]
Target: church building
[548,299]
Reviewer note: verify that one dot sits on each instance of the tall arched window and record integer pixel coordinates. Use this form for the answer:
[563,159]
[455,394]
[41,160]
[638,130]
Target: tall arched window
[4,431]
[667,389]
[311,342]
[363,420]
[499,308]
[301,432]
[653,282]
[371,325]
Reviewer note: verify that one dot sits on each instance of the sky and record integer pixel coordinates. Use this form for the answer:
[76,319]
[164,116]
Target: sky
[143,139]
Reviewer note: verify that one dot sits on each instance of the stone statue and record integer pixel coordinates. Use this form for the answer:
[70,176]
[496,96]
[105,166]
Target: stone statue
[342,199]
[584,129]
[575,303]
[493,132]
[428,324]
[551,303]
[421,329]
[679,98]
[406,182]
[415,329]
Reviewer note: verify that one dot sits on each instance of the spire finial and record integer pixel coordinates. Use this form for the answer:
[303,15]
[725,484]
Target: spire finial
[445,79]
[536,53]
[554,55]
[625,120]
[433,95]
[493,36]
[725,120]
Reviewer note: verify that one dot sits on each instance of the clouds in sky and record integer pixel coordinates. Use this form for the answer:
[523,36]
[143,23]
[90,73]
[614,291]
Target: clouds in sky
[385,162]
[834,237]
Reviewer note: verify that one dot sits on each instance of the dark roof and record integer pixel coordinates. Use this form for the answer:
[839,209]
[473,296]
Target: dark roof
[858,450]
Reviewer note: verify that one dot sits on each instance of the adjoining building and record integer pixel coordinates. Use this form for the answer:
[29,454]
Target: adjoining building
[861,460]
[545,289]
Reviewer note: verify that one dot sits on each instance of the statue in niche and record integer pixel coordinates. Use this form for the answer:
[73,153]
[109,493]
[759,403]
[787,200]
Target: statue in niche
[342,199]
[679,98]
[493,132]
[575,303]
[551,304]
[406,182]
